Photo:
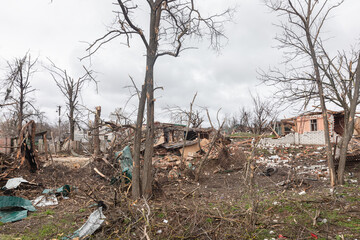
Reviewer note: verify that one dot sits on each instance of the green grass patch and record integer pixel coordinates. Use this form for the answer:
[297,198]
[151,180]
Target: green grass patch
[49,212]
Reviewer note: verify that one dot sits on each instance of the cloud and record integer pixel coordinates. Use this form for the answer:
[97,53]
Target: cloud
[58,30]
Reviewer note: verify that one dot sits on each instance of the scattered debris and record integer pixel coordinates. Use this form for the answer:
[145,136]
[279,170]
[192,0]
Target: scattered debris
[64,191]
[92,224]
[14,183]
[269,171]
[314,236]
[27,146]
[43,201]
[126,161]
[14,208]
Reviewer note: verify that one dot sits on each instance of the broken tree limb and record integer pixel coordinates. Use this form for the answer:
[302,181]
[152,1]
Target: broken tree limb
[53,142]
[7,104]
[187,130]
[189,193]
[276,134]
[101,174]
[208,115]
[96,132]
[204,159]
[45,147]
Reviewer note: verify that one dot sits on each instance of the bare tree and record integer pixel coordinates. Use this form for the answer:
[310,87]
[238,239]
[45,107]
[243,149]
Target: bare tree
[8,124]
[170,23]
[120,117]
[255,118]
[184,116]
[264,112]
[18,89]
[308,74]
[244,117]
[241,120]
[71,90]
[341,85]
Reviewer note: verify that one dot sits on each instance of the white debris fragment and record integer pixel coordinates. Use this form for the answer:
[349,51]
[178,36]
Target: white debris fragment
[165,221]
[302,193]
[42,201]
[274,157]
[92,224]
[14,182]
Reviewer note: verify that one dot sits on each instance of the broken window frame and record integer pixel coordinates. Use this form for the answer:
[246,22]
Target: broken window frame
[313,125]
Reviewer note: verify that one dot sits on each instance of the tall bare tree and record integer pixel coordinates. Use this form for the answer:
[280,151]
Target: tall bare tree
[18,89]
[341,84]
[71,90]
[264,112]
[170,23]
[320,77]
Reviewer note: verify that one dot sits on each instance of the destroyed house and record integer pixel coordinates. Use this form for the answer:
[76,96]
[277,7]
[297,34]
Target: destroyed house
[171,137]
[177,132]
[312,122]
[308,129]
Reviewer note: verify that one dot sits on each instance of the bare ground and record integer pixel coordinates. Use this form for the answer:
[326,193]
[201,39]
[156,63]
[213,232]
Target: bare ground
[219,206]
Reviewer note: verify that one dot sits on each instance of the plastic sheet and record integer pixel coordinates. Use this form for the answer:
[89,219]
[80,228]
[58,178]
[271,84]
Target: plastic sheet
[14,183]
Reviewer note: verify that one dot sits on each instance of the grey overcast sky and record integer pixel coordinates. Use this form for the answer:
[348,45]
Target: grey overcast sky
[60,30]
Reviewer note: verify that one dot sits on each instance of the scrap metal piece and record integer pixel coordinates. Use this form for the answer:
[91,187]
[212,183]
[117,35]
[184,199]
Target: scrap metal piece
[9,208]
[92,224]
[12,215]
